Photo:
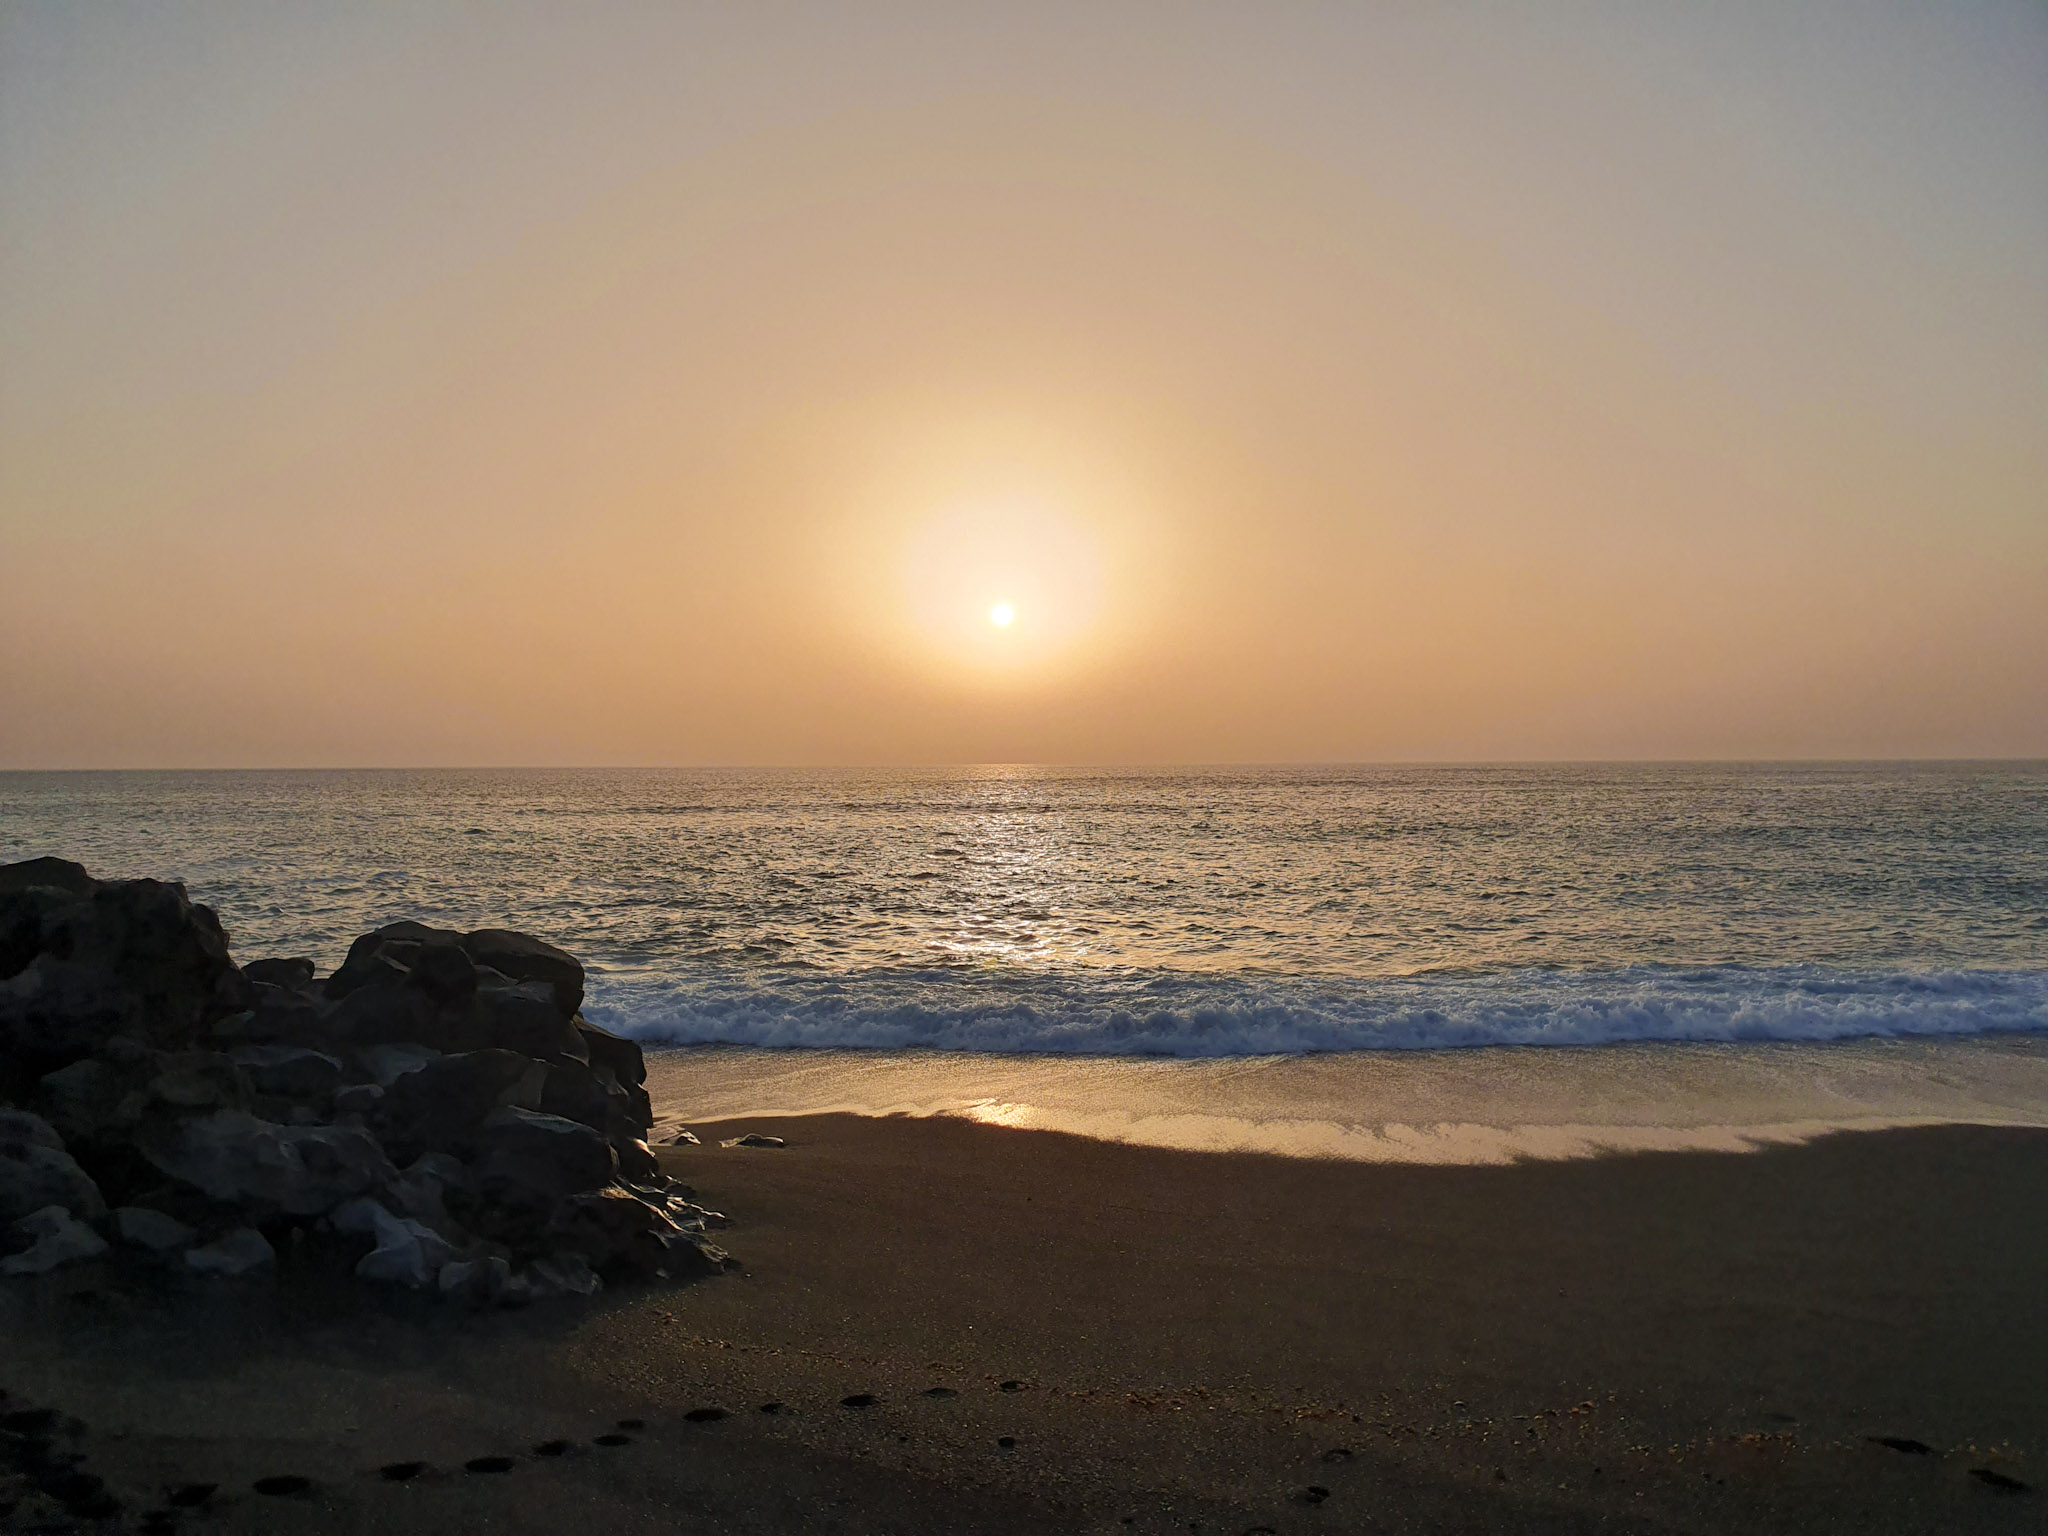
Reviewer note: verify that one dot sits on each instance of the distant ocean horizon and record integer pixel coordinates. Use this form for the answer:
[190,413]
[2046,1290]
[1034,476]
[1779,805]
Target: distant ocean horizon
[1211,912]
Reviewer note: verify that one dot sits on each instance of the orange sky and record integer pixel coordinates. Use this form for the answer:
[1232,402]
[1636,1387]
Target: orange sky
[653,383]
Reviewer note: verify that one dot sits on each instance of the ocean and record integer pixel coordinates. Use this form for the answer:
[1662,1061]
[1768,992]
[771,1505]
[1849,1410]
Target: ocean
[1005,915]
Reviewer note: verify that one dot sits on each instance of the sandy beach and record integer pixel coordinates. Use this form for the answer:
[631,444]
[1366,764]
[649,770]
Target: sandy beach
[969,1327]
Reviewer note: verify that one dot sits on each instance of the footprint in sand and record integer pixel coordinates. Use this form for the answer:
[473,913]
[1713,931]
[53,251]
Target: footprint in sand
[613,1440]
[552,1448]
[771,1408]
[284,1485]
[700,1416]
[401,1471]
[190,1495]
[1312,1495]
[1010,1386]
[859,1400]
[1337,1453]
[940,1392]
[1991,1477]
[1901,1443]
[488,1464]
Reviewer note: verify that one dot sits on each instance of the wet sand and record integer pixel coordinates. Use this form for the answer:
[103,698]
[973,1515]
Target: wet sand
[1166,1340]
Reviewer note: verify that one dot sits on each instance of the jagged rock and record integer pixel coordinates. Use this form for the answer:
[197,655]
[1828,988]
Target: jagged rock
[681,1136]
[386,1064]
[36,1172]
[232,1157]
[422,1190]
[408,1251]
[125,956]
[440,1106]
[593,1097]
[55,1237]
[563,1274]
[619,1232]
[196,1081]
[613,1053]
[82,1099]
[358,1099]
[523,1016]
[54,1011]
[525,958]
[288,1071]
[49,874]
[277,1016]
[291,975]
[154,1230]
[236,1253]
[528,1161]
[444,973]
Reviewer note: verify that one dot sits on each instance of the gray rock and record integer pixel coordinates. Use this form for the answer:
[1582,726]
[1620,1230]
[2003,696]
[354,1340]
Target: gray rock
[617,1232]
[359,1099]
[36,1172]
[145,1228]
[753,1139]
[388,1063]
[288,1071]
[442,971]
[83,1099]
[55,1237]
[292,975]
[407,1252]
[484,1282]
[422,1190]
[563,1274]
[197,1081]
[126,956]
[236,1253]
[525,958]
[612,1053]
[234,1158]
[529,1161]
[54,1011]
[440,1106]
[51,874]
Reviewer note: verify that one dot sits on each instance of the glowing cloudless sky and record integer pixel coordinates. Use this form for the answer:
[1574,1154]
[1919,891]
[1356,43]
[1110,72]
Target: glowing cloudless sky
[615,383]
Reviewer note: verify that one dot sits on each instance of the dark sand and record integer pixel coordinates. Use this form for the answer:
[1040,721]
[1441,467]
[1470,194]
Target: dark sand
[1695,1341]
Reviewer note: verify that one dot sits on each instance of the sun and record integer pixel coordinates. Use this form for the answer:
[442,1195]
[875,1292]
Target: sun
[1001,615]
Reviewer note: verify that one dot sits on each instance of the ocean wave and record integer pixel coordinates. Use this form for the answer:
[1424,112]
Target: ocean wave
[1198,1015]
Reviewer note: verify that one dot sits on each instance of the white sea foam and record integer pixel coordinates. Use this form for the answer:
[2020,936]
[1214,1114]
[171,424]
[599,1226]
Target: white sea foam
[1194,1015]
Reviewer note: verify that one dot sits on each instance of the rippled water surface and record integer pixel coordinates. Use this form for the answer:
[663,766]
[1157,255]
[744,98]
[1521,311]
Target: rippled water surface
[1200,912]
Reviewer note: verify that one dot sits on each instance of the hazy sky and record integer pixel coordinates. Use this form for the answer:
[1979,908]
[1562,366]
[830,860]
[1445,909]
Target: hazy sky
[618,383]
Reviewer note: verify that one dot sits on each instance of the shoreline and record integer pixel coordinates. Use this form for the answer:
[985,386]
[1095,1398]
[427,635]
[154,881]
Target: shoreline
[1490,1104]
[1693,1340]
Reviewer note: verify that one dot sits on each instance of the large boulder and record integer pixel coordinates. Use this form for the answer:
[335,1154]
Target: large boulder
[36,1171]
[53,1236]
[81,960]
[527,1161]
[235,1159]
[440,1106]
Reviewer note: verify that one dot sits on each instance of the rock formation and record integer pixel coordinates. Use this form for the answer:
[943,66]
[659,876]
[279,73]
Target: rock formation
[439,1102]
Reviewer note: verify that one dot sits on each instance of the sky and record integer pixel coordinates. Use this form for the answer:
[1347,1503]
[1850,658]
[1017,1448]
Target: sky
[616,383]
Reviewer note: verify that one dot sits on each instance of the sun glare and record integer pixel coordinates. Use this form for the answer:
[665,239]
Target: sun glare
[1001,614]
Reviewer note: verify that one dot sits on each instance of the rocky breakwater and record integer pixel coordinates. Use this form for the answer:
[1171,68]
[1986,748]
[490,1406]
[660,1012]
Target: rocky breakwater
[438,1104]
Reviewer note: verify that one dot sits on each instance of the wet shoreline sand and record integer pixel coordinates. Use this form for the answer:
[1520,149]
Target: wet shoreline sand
[1167,1340]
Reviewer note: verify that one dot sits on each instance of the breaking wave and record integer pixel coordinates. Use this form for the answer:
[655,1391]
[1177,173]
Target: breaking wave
[1129,1013]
